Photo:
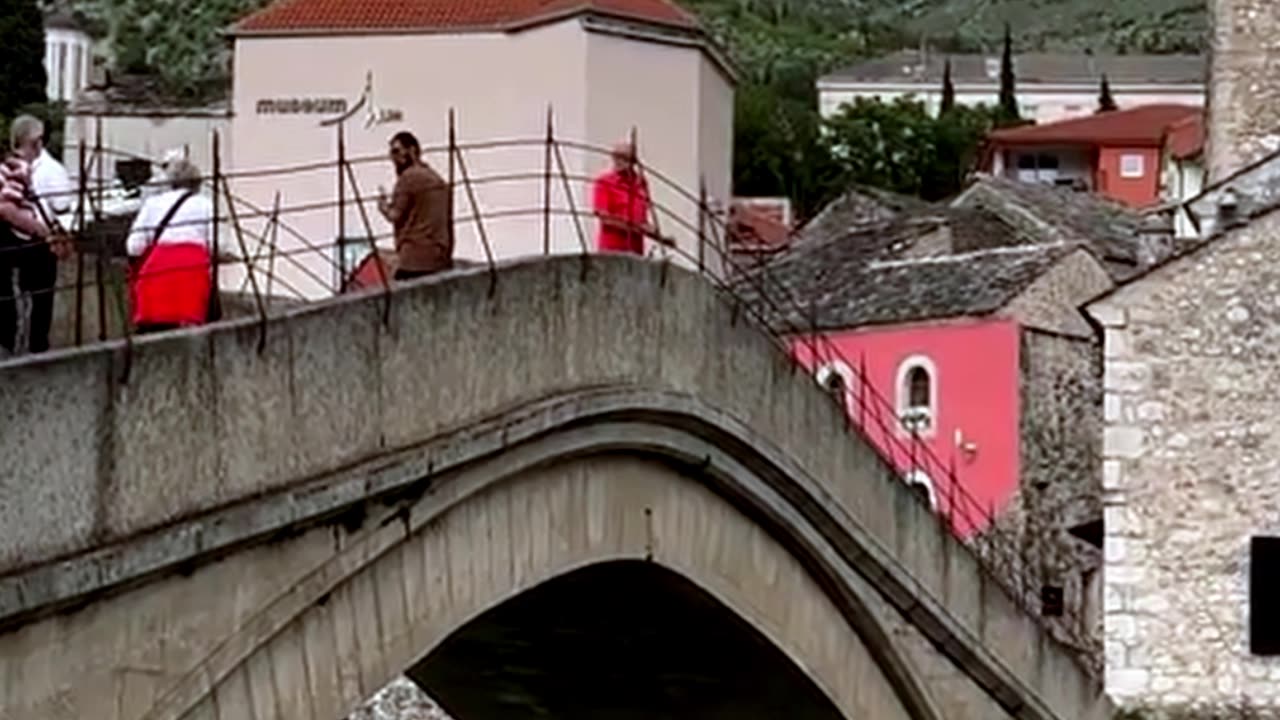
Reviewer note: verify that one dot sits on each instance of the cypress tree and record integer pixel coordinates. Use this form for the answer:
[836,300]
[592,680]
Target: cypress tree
[948,90]
[1106,103]
[22,75]
[1008,106]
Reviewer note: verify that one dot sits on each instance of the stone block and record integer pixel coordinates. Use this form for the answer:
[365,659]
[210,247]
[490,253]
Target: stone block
[1129,377]
[1116,343]
[1109,314]
[1122,442]
[1128,682]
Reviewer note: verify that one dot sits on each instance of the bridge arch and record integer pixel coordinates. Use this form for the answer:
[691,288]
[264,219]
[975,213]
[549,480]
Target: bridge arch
[408,581]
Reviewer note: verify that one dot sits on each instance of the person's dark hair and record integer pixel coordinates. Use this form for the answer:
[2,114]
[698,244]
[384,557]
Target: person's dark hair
[407,139]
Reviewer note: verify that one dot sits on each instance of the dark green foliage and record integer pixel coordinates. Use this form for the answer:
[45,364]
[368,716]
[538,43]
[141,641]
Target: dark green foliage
[22,76]
[899,146]
[1007,107]
[190,59]
[948,90]
[1106,103]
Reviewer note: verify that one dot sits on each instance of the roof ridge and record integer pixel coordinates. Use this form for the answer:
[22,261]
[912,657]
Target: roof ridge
[1027,249]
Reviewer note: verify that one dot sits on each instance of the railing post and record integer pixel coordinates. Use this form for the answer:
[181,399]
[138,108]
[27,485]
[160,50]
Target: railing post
[81,198]
[215,295]
[342,207]
[546,184]
[455,151]
[702,224]
[100,254]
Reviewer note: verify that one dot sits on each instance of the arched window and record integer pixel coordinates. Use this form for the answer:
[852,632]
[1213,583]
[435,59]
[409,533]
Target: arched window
[920,484]
[834,377]
[918,387]
[917,395]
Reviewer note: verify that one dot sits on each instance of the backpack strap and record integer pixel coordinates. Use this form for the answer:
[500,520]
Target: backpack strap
[168,217]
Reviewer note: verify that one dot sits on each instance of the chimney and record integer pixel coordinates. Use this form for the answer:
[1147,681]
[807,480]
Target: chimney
[1243,88]
[1155,239]
[1229,214]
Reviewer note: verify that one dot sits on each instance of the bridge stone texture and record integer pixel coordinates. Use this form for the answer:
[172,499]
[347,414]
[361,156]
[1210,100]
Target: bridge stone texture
[471,480]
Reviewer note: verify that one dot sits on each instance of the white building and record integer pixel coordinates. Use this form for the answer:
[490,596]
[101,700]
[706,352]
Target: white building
[603,68]
[1050,87]
[68,56]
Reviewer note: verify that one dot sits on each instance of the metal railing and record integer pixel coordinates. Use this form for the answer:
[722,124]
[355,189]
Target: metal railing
[754,295]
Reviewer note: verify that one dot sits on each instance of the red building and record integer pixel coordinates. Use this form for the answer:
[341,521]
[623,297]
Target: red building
[1116,154]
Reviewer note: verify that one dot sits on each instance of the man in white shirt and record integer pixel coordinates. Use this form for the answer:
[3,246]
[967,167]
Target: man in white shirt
[32,258]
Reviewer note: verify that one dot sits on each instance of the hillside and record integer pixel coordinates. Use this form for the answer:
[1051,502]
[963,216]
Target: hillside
[763,30]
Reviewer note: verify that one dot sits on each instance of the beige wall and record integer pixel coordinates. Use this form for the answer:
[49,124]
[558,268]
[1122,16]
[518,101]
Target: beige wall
[501,86]
[1047,105]
[145,136]
[716,145]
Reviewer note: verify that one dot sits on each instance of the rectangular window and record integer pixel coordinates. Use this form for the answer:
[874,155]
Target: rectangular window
[1132,166]
[77,64]
[1264,595]
[61,70]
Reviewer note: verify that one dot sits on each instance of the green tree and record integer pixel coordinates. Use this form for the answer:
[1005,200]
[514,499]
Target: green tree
[1106,103]
[958,137]
[1008,106]
[779,150]
[948,90]
[886,145]
[22,76]
[189,59]
[900,147]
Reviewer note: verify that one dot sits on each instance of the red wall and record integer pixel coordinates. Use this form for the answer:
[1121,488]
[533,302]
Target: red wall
[1137,192]
[976,385]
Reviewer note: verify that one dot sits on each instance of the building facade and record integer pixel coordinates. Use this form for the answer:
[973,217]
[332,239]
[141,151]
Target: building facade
[1119,155]
[68,57]
[1190,443]
[1050,87]
[604,72]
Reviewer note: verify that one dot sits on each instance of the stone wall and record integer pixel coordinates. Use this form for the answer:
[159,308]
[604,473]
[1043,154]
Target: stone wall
[1190,466]
[1244,88]
[1060,459]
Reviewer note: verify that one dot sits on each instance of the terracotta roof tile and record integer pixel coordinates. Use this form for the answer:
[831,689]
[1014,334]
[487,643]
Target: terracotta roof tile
[1185,138]
[365,15]
[1144,125]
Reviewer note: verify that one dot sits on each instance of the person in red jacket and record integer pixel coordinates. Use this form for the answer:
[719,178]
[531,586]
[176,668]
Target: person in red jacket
[620,199]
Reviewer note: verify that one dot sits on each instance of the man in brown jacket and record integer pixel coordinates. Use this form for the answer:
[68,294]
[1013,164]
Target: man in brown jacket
[420,209]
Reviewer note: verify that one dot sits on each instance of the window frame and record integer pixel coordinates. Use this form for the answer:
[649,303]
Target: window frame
[902,394]
[1141,164]
[920,477]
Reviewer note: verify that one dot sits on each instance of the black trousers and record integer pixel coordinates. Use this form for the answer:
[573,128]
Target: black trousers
[410,274]
[37,270]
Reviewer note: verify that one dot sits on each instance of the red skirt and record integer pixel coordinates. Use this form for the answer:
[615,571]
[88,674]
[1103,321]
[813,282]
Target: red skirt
[172,285]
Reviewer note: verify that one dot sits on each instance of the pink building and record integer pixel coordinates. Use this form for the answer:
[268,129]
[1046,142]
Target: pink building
[954,409]
[982,379]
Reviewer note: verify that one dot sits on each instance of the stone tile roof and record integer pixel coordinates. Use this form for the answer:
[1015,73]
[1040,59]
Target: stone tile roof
[859,205]
[425,15]
[793,298]
[1031,68]
[1048,214]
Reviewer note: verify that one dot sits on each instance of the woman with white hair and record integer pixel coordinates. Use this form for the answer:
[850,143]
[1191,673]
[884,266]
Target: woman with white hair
[170,242]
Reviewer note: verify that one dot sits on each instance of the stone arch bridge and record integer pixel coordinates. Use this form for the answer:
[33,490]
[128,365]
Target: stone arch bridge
[588,490]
